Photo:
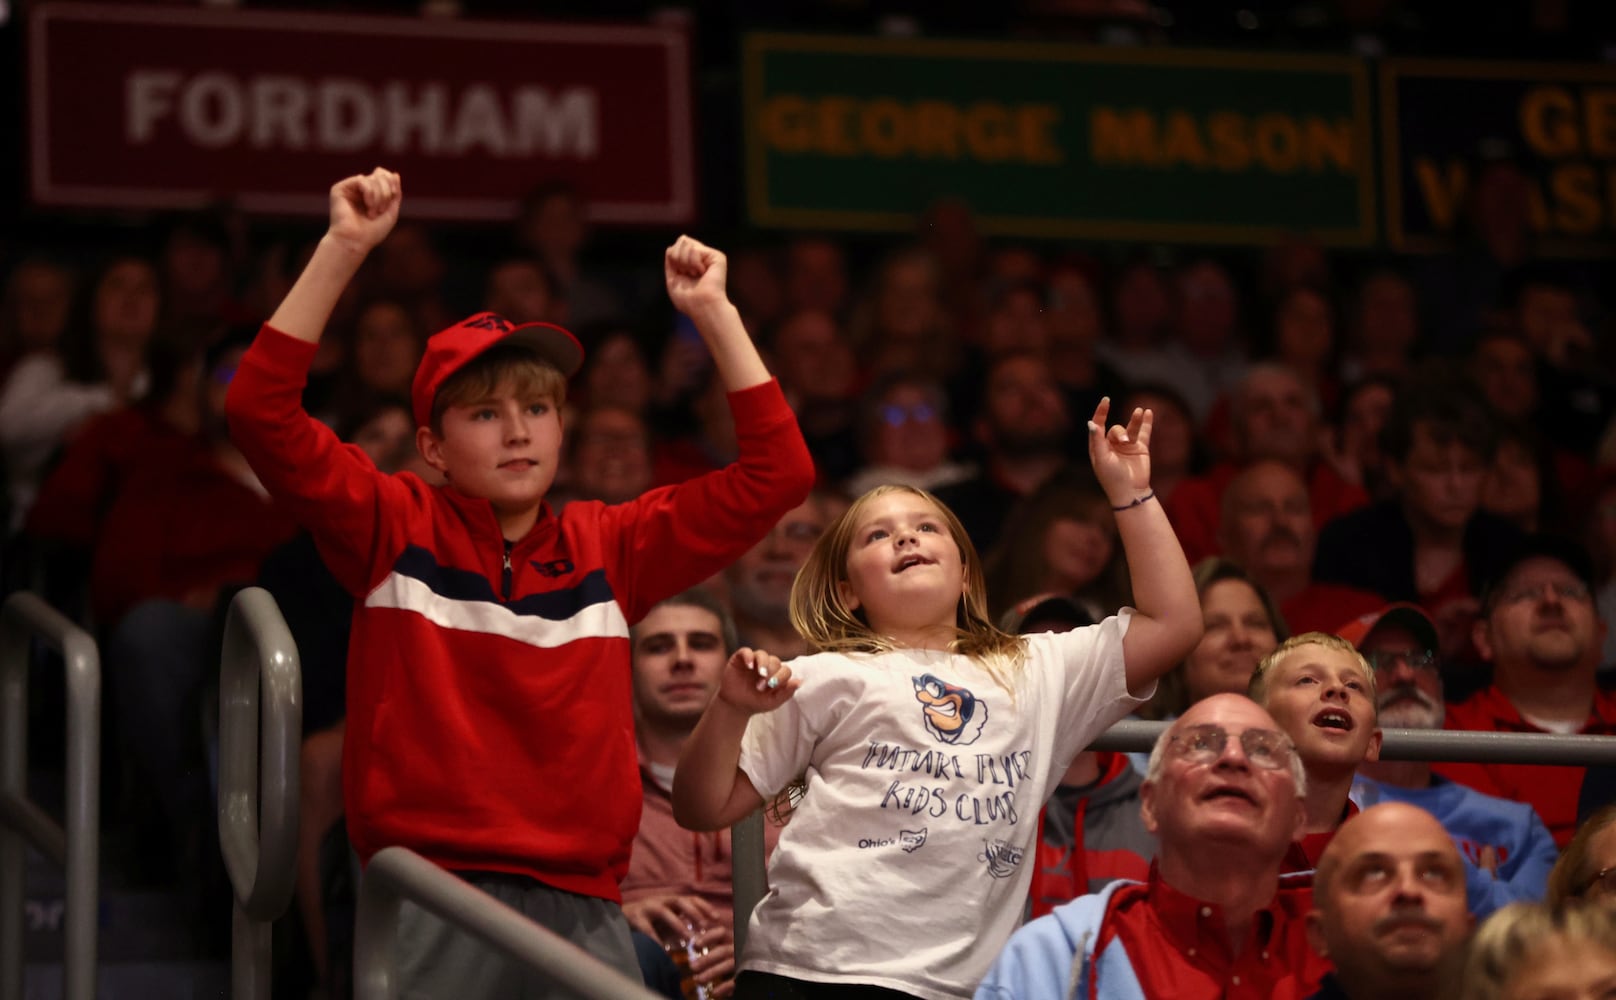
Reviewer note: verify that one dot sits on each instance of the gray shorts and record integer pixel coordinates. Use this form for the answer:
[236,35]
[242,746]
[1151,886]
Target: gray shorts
[440,962]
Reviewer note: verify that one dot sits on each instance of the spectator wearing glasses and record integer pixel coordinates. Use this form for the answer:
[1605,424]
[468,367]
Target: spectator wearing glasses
[1223,794]
[1507,850]
[1542,635]
[1587,869]
[903,427]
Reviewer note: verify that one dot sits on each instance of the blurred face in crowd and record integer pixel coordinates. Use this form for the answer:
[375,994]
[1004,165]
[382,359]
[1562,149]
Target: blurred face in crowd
[618,374]
[908,430]
[1304,329]
[1325,702]
[812,358]
[1172,433]
[1073,312]
[1545,314]
[556,227]
[1440,483]
[388,437]
[1362,419]
[1507,374]
[193,265]
[1274,417]
[1078,548]
[1208,308]
[1541,615]
[409,264]
[1017,324]
[756,287]
[1408,677]
[1024,412]
[760,581]
[519,291]
[1143,305]
[40,297]
[816,276]
[679,657]
[1389,900]
[1562,968]
[1238,634]
[1511,488]
[1205,796]
[125,304]
[611,456]
[386,348]
[1268,522]
[1388,316]
[906,302]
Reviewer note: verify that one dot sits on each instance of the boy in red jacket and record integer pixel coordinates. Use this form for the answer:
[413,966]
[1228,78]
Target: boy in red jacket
[490,722]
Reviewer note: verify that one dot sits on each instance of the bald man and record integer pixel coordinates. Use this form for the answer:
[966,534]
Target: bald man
[1389,907]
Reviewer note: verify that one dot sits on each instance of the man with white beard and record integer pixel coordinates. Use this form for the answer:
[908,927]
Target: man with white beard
[1507,850]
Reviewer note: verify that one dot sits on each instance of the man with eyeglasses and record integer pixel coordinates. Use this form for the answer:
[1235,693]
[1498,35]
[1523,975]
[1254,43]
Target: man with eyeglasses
[1541,633]
[1507,851]
[1223,795]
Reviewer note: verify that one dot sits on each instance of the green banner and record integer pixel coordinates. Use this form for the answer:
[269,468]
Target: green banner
[1058,140]
[1441,119]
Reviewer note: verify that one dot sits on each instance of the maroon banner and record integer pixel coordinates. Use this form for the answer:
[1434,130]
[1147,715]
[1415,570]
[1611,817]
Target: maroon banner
[136,107]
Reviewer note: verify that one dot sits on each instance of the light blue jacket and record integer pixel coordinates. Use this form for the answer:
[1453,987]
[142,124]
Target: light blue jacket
[1053,957]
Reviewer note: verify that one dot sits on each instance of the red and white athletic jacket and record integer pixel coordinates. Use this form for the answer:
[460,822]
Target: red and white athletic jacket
[490,723]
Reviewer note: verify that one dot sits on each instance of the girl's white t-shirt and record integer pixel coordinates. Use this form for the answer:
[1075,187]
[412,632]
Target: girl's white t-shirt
[908,862]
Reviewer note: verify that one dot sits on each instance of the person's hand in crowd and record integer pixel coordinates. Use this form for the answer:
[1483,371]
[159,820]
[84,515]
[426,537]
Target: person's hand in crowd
[364,209]
[1121,455]
[674,919]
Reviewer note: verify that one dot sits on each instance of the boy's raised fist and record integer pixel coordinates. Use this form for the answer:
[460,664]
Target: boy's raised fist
[695,274]
[364,208]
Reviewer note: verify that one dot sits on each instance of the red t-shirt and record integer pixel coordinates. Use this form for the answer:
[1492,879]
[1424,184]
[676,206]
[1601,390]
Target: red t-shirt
[1325,607]
[1178,946]
[1551,790]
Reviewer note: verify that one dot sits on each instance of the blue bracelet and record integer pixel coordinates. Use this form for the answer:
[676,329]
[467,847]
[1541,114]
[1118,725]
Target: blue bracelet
[1137,502]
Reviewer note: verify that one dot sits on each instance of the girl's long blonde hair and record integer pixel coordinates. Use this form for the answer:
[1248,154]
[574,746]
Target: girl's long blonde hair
[827,624]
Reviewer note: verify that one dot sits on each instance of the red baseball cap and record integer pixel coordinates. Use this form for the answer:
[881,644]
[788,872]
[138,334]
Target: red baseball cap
[1409,616]
[450,350]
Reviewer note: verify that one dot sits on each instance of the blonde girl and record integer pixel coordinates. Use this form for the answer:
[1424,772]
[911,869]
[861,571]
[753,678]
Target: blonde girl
[925,738]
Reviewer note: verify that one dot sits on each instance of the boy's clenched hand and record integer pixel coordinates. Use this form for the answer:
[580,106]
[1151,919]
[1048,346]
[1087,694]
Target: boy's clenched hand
[695,275]
[364,209]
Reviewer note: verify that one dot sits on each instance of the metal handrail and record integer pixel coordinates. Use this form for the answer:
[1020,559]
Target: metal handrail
[24,617]
[748,866]
[259,680]
[397,874]
[1136,736]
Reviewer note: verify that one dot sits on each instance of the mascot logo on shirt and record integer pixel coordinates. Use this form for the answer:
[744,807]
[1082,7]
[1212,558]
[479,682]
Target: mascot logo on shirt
[952,714]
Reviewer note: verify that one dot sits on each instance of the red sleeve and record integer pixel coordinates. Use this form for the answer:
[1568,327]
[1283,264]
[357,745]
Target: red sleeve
[75,495]
[677,536]
[330,488]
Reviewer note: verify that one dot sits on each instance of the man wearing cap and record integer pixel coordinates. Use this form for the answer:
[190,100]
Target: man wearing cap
[1507,850]
[1091,830]
[1542,635]
[490,723]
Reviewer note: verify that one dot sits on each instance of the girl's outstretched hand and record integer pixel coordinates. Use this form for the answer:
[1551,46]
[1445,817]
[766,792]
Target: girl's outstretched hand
[364,208]
[1121,455]
[755,681]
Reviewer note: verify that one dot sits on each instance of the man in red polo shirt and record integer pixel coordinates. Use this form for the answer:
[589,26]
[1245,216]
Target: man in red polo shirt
[1223,794]
[1542,634]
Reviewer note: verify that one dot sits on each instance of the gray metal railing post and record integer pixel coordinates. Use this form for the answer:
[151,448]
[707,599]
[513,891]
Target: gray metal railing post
[396,874]
[259,680]
[748,872]
[23,617]
[1135,736]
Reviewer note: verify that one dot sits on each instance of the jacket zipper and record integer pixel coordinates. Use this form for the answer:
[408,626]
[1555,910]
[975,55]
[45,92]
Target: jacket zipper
[506,576]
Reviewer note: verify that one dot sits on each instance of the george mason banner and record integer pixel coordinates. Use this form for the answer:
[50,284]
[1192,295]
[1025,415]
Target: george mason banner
[1058,140]
[157,107]
[1557,121]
